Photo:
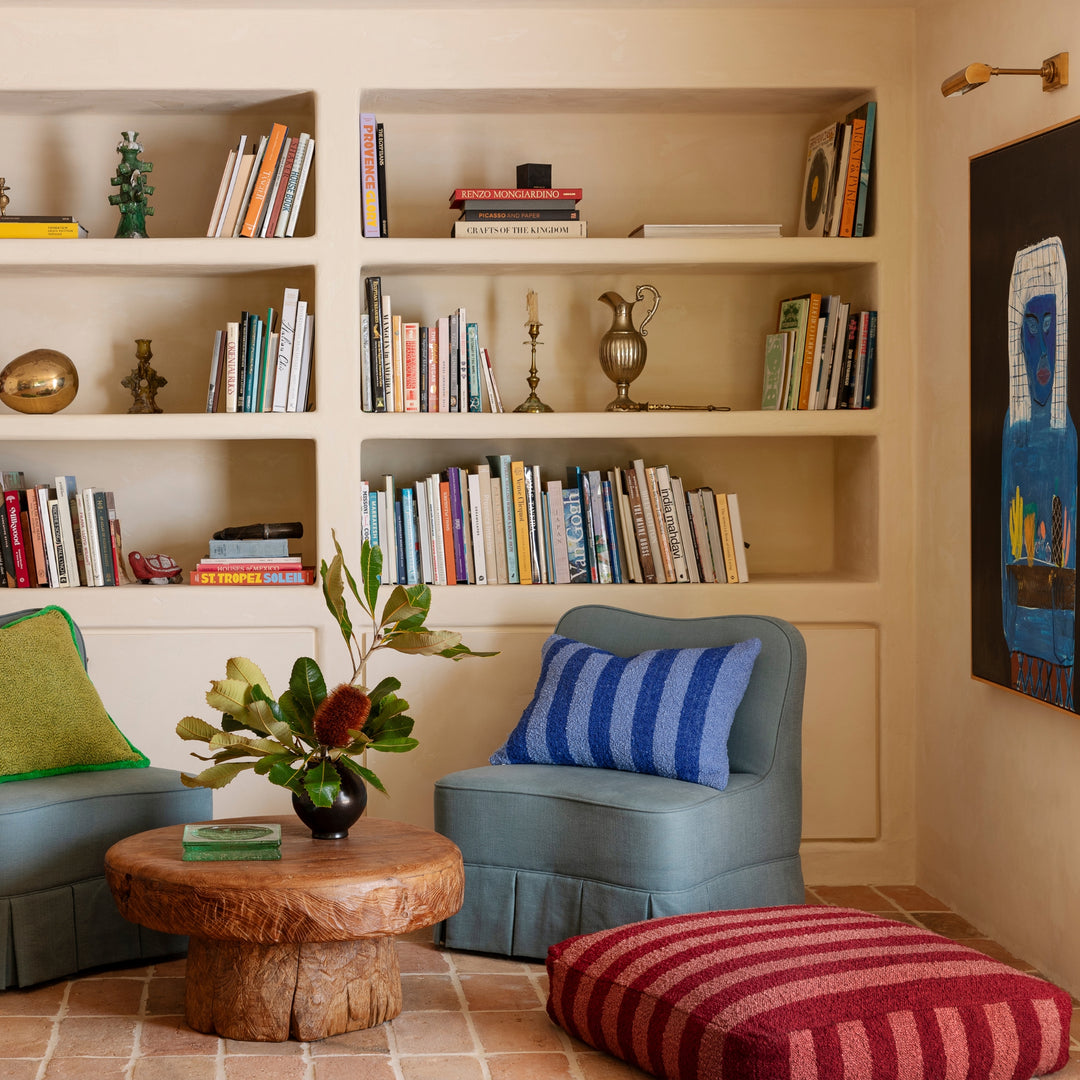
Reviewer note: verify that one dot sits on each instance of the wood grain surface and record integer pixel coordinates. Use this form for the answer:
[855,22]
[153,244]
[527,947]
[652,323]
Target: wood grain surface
[385,878]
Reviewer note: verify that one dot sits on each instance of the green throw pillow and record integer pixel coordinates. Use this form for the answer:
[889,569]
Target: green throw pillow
[51,718]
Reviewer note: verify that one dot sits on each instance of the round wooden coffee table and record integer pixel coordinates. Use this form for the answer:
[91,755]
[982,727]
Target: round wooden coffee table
[300,947]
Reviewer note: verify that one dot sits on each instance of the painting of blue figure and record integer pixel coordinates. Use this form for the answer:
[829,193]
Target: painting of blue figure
[1038,481]
[1025,233]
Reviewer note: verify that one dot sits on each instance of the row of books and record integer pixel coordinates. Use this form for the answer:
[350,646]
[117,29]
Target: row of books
[822,356]
[409,367]
[836,184]
[251,562]
[59,536]
[262,185]
[263,365]
[41,227]
[499,523]
[517,213]
[373,176]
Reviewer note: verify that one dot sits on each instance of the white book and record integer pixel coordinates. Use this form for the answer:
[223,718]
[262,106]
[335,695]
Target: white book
[633,561]
[65,488]
[476,520]
[443,336]
[487,521]
[301,184]
[387,536]
[84,539]
[684,528]
[48,542]
[237,161]
[650,519]
[291,184]
[423,529]
[438,548]
[365,512]
[501,572]
[701,535]
[379,524]
[300,365]
[737,536]
[366,403]
[671,523]
[463,364]
[63,567]
[219,199]
[267,403]
[560,560]
[92,535]
[232,366]
[290,300]
[249,187]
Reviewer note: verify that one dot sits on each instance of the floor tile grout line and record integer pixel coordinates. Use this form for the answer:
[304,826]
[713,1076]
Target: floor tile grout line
[455,981]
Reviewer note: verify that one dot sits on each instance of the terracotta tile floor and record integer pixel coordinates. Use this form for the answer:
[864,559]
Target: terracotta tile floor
[466,1017]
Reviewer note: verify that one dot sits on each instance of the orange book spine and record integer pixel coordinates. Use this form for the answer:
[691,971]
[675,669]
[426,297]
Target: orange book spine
[851,188]
[808,350]
[262,182]
[448,532]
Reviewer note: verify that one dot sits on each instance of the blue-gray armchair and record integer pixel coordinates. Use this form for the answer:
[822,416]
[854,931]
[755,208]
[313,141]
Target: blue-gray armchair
[556,850]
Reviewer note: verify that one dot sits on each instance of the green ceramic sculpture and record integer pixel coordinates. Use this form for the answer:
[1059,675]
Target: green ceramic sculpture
[130,178]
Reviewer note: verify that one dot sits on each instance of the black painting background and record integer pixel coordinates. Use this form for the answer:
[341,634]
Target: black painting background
[1020,194]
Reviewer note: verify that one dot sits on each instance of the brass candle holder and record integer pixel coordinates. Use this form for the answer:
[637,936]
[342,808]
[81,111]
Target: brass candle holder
[533,404]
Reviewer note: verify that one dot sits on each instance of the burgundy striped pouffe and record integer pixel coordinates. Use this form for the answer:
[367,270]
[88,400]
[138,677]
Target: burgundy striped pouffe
[804,993]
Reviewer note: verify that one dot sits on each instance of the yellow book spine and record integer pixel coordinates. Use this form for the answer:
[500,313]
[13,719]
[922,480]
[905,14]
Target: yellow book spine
[727,539]
[521,521]
[41,230]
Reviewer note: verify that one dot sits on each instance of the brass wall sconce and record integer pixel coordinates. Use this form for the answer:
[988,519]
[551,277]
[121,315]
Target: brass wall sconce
[1054,73]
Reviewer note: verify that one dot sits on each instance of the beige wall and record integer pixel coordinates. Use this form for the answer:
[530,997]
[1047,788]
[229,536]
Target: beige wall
[997,788]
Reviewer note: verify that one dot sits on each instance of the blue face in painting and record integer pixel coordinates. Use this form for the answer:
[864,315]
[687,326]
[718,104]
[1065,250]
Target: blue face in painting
[1038,337]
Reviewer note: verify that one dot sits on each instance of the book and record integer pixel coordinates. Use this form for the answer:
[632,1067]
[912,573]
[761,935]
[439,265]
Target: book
[499,530]
[674,534]
[686,533]
[295,576]
[868,113]
[65,489]
[380,176]
[501,472]
[851,179]
[369,174]
[519,230]
[410,347]
[837,360]
[494,397]
[433,368]
[262,181]
[234,841]
[560,559]
[727,541]
[596,526]
[7,555]
[537,538]
[222,191]
[818,350]
[104,538]
[288,562]
[836,204]
[461,349]
[292,183]
[699,524]
[821,152]
[574,521]
[423,531]
[641,536]
[832,308]
[301,185]
[808,345]
[37,540]
[119,562]
[388,533]
[409,535]
[845,381]
[289,304]
[520,518]
[629,537]
[41,230]
[231,218]
[712,523]
[871,362]
[519,212]
[461,196]
[472,352]
[611,528]
[13,521]
[373,292]
[399,363]
[477,530]
[858,377]
[777,358]
[445,538]
[442,328]
[37,217]
[737,540]
[677,232]
[300,364]
[285,171]
[249,549]
[663,537]
[391,390]
[651,528]
[515,206]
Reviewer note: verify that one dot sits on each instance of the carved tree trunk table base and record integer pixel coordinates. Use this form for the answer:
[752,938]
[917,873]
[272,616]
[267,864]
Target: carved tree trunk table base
[301,947]
[269,993]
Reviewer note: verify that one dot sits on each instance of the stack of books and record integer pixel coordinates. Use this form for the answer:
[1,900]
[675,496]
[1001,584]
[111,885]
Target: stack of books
[251,562]
[499,523]
[517,213]
[55,535]
[822,356]
[262,185]
[41,227]
[264,365]
[373,176]
[408,366]
[836,184]
[225,842]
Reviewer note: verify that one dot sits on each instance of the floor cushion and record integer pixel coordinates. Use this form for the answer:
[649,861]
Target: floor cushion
[804,993]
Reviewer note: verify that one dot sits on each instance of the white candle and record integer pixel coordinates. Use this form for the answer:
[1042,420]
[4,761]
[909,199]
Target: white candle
[533,306]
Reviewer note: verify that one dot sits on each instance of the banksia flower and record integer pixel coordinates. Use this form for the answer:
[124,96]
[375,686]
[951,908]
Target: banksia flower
[344,709]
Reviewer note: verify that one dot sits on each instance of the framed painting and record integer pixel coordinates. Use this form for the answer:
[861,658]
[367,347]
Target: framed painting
[1025,238]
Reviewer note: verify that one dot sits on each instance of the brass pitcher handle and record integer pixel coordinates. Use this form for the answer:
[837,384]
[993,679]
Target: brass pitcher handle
[652,311]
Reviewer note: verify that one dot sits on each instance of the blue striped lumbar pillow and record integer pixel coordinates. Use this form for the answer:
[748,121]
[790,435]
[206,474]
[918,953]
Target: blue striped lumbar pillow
[666,711]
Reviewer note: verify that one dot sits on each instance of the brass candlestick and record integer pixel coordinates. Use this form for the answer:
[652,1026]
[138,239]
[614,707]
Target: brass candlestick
[532,403]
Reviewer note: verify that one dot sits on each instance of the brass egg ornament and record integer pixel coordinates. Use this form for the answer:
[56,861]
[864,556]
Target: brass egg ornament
[39,381]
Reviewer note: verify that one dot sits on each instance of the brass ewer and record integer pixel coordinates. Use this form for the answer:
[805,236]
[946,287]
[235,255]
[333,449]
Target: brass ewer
[623,349]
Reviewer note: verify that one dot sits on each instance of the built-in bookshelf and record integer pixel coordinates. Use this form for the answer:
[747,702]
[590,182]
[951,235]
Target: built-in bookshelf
[683,117]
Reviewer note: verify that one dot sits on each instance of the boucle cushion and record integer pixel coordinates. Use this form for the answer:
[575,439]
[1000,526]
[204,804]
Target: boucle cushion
[666,711]
[51,718]
[804,993]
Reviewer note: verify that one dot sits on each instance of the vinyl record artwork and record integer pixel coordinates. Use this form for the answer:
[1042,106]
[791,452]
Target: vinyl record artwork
[1025,235]
[817,181]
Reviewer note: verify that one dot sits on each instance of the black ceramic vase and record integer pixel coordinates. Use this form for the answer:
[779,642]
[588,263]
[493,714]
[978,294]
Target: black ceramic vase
[333,822]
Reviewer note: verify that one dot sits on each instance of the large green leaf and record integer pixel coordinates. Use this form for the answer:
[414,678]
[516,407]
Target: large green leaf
[225,739]
[367,775]
[459,652]
[392,727]
[371,564]
[229,696]
[216,776]
[191,727]
[322,783]
[399,606]
[295,717]
[334,594]
[307,686]
[240,667]
[423,642]
[271,761]
[394,745]
[385,687]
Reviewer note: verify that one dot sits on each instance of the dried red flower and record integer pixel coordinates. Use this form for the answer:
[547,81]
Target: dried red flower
[344,709]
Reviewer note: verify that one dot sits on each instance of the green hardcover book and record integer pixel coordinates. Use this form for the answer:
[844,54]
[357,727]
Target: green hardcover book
[221,843]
